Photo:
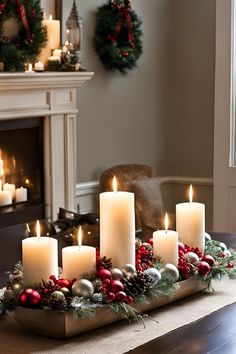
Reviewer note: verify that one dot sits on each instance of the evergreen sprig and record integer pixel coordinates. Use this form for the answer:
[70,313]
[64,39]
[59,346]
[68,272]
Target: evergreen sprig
[127,311]
[83,308]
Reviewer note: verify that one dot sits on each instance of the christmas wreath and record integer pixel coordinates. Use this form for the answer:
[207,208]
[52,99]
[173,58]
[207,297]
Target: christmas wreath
[117,38]
[22,35]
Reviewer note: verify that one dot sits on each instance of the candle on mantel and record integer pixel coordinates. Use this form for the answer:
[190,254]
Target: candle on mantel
[11,188]
[78,260]
[5,198]
[1,173]
[40,258]
[21,195]
[190,222]
[165,244]
[53,35]
[39,66]
[30,69]
[117,226]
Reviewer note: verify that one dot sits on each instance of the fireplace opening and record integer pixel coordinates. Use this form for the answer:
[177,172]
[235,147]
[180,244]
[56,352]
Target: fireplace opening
[21,171]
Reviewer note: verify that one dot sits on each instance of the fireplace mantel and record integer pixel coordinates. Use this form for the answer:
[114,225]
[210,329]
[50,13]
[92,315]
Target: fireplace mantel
[52,96]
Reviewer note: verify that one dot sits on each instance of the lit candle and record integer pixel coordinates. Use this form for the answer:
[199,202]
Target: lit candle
[11,188]
[78,260]
[57,53]
[53,35]
[54,58]
[40,258]
[117,227]
[5,198]
[190,222]
[39,66]
[165,244]
[30,69]
[21,195]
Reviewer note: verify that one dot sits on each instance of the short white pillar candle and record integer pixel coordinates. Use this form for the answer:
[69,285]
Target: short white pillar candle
[165,244]
[40,258]
[5,198]
[11,188]
[78,260]
[21,195]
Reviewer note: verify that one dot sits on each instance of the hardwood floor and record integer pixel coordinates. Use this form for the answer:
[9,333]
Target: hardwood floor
[215,333]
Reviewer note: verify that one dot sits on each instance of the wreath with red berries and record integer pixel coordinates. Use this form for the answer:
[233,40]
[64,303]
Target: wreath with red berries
[117,38]
[22,35]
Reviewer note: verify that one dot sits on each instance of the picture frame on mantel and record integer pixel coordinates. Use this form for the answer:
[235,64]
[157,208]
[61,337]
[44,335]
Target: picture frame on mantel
[62,13]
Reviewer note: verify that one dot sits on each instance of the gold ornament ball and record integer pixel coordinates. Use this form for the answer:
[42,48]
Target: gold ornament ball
[16,287]
[65,291]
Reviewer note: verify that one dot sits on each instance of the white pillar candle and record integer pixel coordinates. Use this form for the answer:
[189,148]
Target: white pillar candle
[57,52]
[40,258]
[117,227]
[39,66]
[11,188]
[165,244]
[5,198]
[53,35]
[190,223]
[21,195]
[30,69]
[78,260]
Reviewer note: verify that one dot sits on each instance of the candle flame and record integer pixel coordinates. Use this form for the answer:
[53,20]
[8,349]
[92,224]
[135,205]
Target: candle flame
[38,229]
[80,236]
[114,184]
[166,222]
[190,193]
[50,17]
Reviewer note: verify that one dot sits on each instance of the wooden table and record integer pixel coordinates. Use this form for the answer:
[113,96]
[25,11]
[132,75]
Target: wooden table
[215,334]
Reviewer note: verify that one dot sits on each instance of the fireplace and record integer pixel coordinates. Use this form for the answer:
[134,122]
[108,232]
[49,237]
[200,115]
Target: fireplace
[38,143]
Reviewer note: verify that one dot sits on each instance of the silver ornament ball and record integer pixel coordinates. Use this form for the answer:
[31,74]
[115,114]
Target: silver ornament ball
[171,270]
[82,287]
[128,270]
[223,246]
[154,274]
[191,257]
[116,273]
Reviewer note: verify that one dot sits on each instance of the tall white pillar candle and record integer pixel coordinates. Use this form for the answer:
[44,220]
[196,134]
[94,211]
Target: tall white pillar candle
[165,244]
[53,35]
[5,198]
[21,195]
[40,258]
[190,223]
[78,260]
[117,227]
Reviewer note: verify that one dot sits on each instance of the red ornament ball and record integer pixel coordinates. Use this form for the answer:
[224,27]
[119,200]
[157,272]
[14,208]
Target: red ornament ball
[116,286]
[204,268]
[124,54]
[64,283]
[106,282]
[209,259]
[110,297]
[181,246]
[30,298]
[121,296]
[104,274]
[129,299]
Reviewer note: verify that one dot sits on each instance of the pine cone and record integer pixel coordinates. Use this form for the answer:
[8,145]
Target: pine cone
[138,284]
[16,276]
[104,263]
[57,301]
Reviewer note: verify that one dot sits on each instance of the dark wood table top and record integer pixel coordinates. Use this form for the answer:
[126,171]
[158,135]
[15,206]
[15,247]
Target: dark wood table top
[215,333]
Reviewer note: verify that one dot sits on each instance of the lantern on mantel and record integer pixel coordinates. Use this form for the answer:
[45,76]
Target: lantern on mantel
[74,29]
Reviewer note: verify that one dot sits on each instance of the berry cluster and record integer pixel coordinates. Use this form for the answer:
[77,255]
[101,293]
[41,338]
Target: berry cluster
[113,289]
[144,256]
[47,287]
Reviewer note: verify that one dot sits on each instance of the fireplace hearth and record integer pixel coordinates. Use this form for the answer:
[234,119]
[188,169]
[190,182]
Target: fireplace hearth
[38,143]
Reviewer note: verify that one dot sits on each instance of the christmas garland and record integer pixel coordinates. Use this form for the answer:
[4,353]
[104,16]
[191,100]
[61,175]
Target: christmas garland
[120,288]
[22,35]
[117,38]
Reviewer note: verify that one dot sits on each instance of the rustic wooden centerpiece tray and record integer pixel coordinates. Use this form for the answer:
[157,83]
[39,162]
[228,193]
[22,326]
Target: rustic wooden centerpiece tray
[64,325]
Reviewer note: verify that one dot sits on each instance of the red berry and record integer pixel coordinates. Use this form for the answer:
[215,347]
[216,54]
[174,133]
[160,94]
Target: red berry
[230,265]
[103,290]
[106,282]
[64,283]
[110,297]
[150,241]
[181,253]
[121,296]
[129,299]
[104,274]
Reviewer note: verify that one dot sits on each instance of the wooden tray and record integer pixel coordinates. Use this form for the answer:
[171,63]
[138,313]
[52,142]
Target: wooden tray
[64,325]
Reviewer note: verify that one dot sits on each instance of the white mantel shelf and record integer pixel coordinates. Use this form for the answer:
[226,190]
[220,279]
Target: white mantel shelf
[48,80]
[52,96]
